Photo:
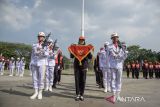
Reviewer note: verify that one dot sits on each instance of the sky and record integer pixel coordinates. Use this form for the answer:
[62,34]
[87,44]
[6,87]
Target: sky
[137,22]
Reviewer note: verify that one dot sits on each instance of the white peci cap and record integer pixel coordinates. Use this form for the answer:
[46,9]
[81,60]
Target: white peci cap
[41,34]
[50,40]
[106,43]
[114,35]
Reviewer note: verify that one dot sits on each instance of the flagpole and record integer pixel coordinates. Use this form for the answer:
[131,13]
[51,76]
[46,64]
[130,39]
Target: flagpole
[82,23]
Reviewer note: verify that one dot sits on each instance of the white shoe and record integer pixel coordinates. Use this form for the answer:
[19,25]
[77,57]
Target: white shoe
[46,89]
[109,90]
[11,75]
[35,94]
[21,75]
[50,88]
[40,94]
[105,90]
[1,73]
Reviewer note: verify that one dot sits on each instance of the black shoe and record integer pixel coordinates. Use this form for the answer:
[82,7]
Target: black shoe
[77,98]
[81,98]
[54,86]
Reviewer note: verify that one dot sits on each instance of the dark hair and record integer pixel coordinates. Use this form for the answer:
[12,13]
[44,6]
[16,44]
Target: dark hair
[82,44]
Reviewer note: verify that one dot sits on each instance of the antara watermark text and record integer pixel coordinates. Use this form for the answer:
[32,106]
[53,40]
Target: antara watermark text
[133,99]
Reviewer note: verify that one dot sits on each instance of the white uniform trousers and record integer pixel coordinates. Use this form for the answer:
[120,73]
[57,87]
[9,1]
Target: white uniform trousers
[17,70]
[116,80]
[106,78]
[49,76]
[38,73]
[2,70]
[22,70]
[11,69]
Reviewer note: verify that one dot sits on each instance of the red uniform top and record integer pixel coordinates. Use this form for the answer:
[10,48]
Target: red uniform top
[56,60]
[146,65]
[133,65]
[151,66]
[138,66]
[156,66]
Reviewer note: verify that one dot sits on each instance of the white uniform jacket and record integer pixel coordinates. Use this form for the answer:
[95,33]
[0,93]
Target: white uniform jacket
[117,57]
[39,55]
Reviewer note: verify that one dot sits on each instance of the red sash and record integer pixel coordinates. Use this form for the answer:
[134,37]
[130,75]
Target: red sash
[156,66]
[151,66]
[80,51]
[137,66]
[133,65]
[146,65]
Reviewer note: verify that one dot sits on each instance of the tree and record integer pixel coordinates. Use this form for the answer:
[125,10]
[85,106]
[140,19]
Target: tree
[137,53]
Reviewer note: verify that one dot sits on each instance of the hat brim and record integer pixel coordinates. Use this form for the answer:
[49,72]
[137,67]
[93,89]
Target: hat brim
[114,37]
[106,44]
[40,36]
[81,39]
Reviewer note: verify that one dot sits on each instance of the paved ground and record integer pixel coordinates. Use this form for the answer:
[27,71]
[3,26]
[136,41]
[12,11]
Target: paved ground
[15,92]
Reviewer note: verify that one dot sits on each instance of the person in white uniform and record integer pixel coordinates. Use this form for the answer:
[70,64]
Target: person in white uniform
[50,67]
[103,66]
[18,67]
[22,66]
[2,64]
[117,57]
[38,65]
[11,66]
[107,74]
[30,70]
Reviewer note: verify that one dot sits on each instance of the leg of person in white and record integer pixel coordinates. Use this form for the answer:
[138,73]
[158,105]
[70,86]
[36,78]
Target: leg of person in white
[11,71]
[2,70]
[51,75]
[30,72]
[109,80]
[116,83]
[113,83]
[119,84]
[38,81]
[35,73]
[13,68]
[23,68]
[17,71]
[104,71]
[47,78]
[42,70]
[22,71]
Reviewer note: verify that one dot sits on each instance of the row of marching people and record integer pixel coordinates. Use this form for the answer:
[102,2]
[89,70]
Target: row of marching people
[149,69]
[16,67]
[108,66]
[46,62]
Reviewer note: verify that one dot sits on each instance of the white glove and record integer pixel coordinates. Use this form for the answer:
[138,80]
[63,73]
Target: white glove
[126,52]
[58,67]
